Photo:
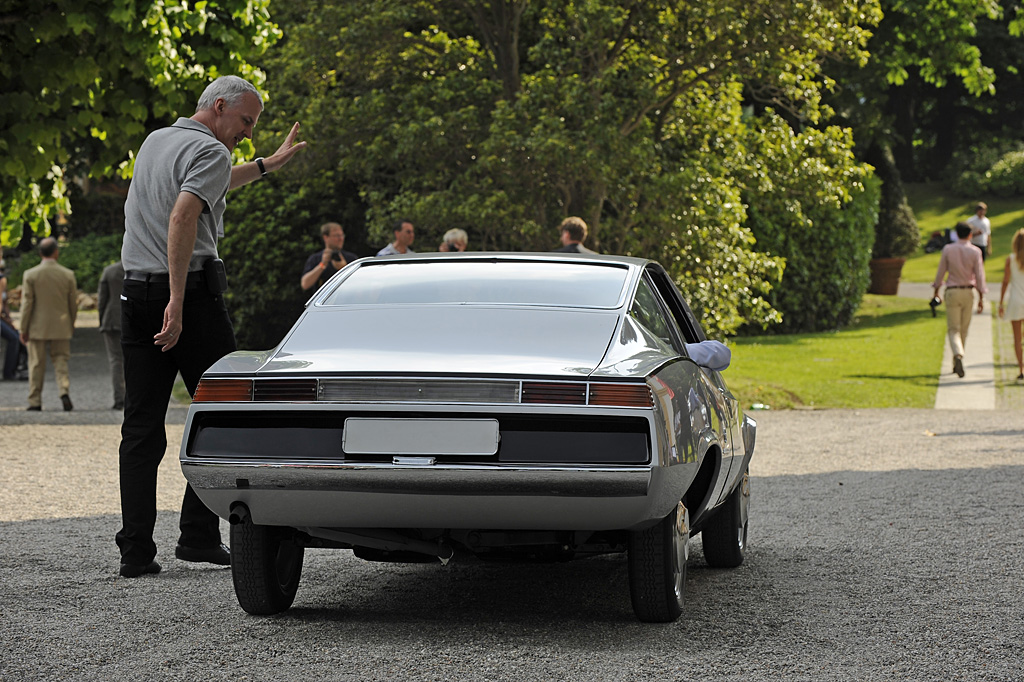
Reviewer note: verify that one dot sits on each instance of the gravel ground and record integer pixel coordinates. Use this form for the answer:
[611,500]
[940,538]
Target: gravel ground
[885,545]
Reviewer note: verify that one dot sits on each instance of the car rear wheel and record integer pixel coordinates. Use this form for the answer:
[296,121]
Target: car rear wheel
[657,567]
[725,537]
[266,564]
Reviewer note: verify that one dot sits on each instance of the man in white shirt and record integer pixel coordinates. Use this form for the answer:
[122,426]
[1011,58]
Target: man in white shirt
[981,230]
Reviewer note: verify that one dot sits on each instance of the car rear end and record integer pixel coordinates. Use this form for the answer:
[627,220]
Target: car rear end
[398,452]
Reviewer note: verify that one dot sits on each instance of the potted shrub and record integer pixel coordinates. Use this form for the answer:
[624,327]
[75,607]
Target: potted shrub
[896,233]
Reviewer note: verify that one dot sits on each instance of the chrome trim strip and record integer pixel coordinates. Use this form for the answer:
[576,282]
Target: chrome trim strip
[419,391]
[433,391]
[417,479]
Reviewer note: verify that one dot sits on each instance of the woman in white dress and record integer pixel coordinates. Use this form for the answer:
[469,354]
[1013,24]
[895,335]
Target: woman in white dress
[1013,280]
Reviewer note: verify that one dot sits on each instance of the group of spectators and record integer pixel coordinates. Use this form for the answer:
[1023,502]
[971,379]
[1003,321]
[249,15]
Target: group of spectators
[49,306]
[322,264]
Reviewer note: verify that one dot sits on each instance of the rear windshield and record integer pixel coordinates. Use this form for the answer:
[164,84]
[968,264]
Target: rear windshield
[585,285]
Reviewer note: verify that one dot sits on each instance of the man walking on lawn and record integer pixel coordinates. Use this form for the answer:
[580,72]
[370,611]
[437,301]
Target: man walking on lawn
[962,262]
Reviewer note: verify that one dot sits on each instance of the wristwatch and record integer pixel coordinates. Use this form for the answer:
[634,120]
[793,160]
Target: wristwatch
[259,163]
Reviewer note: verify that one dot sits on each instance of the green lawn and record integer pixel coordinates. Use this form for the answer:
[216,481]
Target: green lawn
[889,357]
[936,212]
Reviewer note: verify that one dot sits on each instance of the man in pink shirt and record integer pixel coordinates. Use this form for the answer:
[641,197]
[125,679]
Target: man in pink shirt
[962,262]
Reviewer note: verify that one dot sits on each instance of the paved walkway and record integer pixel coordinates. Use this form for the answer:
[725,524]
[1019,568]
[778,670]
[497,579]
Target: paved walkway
[977,390]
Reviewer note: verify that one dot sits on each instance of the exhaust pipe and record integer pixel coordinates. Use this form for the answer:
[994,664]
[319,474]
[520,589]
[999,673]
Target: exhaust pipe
[239,513]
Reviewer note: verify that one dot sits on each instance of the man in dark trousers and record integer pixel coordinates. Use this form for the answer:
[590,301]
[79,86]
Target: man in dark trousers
[173,317]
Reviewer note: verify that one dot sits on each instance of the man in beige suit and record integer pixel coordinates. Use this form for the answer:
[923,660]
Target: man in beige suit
[49,305]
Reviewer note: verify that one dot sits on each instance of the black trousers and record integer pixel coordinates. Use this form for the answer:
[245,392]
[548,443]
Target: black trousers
[206,336]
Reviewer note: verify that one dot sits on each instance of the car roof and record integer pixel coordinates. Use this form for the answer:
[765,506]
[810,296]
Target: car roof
[633,266]
[534,256]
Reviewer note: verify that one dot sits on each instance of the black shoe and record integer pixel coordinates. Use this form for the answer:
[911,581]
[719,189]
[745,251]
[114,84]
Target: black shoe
[66,401]
[35,408]
[958,366]
[219,555]
[134,570]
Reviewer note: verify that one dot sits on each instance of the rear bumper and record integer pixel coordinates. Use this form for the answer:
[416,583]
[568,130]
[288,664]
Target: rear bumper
[344,495]
[288,465]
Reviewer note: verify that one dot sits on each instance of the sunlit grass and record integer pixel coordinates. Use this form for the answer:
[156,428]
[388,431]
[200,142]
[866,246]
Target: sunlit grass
[936,211]
[890,357]
[1009,391]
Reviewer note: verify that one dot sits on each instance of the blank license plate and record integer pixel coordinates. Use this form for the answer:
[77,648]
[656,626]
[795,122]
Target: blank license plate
[382,436]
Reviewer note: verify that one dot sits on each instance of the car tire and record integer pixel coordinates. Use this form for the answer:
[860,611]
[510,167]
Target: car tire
[725,536]
[266,564]
[657,567]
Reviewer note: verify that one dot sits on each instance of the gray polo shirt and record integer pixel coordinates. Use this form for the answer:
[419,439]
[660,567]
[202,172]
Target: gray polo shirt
[185,157]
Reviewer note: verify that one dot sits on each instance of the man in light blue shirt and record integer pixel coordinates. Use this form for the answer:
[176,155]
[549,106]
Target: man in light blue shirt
[404,236]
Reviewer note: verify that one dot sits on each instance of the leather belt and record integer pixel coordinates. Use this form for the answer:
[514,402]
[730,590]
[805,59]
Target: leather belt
[192,281]
[961,286]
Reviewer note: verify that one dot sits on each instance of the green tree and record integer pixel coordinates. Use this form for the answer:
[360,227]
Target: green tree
[272,226]
[82,83]
[918,48]
[502,117]
[948,120]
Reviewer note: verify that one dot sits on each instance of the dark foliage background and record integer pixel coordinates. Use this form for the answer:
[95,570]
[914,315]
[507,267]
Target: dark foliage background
[271,227]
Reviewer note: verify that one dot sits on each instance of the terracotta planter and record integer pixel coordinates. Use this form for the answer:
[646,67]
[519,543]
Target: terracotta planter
[885,275]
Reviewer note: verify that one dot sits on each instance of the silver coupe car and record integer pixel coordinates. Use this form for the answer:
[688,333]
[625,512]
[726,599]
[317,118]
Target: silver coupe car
[477,406]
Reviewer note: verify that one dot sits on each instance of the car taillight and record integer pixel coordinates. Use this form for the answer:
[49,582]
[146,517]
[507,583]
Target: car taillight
[554,394]
[223,391]
[620,395]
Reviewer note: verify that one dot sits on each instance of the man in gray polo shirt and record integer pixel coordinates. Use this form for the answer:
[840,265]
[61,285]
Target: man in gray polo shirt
[173,317]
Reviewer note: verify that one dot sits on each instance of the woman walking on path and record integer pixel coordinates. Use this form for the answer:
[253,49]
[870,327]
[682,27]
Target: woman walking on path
[1013,279]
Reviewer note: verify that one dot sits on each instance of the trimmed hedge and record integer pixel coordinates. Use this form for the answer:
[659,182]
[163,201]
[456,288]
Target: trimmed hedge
[811,202]
[996,169]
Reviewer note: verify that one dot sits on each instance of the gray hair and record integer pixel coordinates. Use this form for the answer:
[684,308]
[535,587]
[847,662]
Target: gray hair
[456,235]
[228,88]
